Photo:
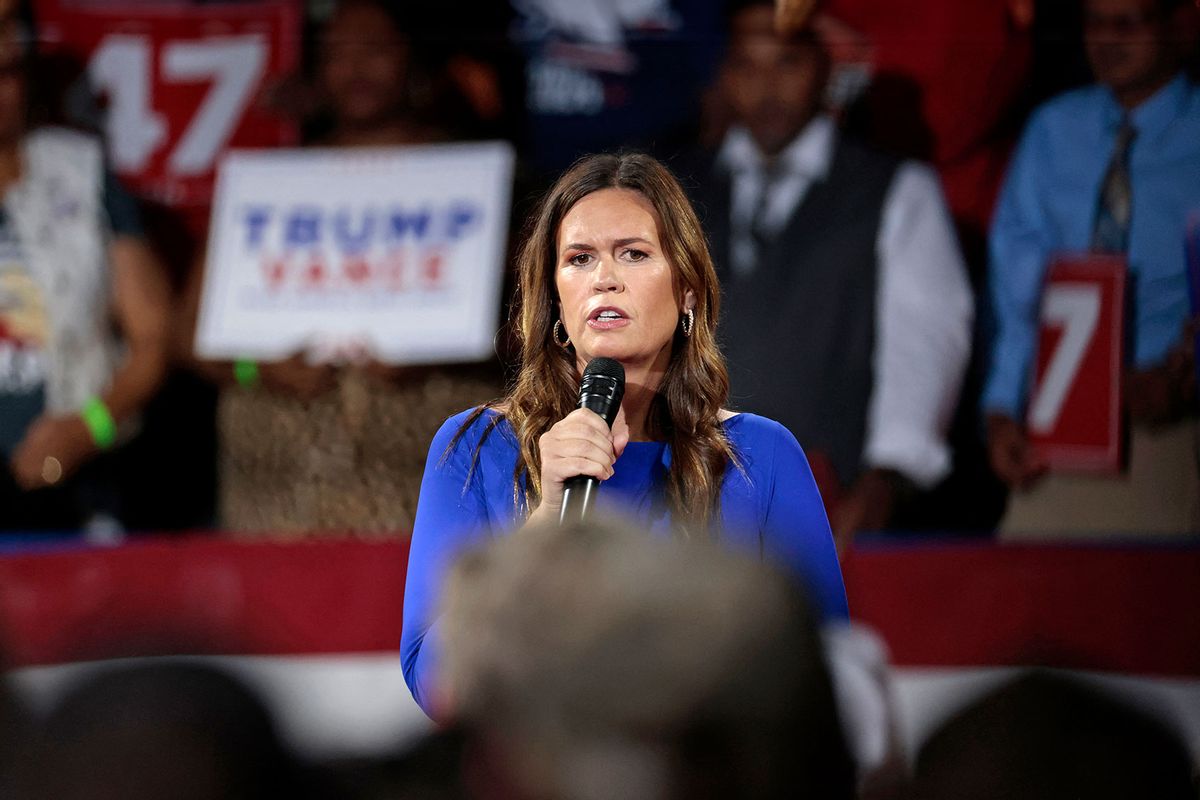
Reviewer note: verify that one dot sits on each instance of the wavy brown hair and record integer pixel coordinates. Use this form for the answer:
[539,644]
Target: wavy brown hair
[685,410]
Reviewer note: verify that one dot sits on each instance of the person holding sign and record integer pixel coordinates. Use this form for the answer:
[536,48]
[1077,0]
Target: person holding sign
[1112,169]
[615,266]
[73,263]
[323,441]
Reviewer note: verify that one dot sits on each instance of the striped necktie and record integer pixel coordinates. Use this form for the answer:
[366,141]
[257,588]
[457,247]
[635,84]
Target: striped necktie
[1110,234]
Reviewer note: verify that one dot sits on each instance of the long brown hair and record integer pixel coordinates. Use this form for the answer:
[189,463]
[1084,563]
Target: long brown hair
[685,410]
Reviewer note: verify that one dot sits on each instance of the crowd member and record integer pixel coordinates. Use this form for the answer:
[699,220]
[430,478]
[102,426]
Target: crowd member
[849,312]
[615,265]
[313,446]
[1044,737]
[73,264]
[180,731]
[1115,168]
[948,83]
[594,661]
[370,84]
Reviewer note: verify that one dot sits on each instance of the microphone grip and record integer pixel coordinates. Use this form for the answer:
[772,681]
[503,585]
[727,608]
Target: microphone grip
[579,495]
[600,390]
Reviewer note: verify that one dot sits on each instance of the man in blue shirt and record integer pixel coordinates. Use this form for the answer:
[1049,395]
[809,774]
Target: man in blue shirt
[1142,119]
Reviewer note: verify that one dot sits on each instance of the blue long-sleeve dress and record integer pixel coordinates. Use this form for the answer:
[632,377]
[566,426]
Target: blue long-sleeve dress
[770,507]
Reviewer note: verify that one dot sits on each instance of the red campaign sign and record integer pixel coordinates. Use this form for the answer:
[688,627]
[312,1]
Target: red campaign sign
[180,83]
[1075,420]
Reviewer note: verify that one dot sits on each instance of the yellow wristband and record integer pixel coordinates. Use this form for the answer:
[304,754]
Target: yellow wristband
[99,422]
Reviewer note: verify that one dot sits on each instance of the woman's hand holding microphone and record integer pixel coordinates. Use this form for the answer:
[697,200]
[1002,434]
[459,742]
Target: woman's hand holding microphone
[578,444]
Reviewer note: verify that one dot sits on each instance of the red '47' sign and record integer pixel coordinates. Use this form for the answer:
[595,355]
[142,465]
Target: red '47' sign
[1075,418]
[180,83]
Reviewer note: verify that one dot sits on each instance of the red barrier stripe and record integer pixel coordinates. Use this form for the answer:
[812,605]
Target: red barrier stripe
[1124,609]
[202,595]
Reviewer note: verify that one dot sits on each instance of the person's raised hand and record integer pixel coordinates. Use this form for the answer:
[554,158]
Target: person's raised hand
[578,444]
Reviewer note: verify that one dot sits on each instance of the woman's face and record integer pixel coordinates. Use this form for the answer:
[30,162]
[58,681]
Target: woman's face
[616,289]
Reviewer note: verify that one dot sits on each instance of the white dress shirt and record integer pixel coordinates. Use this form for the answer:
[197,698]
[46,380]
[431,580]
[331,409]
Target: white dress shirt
[924,306]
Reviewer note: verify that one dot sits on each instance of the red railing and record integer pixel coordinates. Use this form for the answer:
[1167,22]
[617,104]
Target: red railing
[1132,609]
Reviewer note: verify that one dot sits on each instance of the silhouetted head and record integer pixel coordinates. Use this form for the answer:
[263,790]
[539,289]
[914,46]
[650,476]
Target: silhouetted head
[1047,737]
[178,731]
[598,656]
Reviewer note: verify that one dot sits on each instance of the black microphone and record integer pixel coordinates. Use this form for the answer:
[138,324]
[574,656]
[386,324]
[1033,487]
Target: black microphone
[601,390]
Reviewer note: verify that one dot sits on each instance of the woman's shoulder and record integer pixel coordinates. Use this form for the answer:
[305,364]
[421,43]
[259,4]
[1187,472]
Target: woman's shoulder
[744,427]
[471,421]
[763,446]
[465,430]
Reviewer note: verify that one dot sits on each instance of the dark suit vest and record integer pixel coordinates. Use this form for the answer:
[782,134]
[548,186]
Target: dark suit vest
[799,332]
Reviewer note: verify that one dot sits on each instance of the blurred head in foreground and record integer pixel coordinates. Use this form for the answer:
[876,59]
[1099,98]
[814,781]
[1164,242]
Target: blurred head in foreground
[595,661]
[1048,737]
[179,731]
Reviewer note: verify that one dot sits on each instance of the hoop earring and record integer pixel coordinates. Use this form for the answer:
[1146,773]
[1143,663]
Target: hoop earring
[688,322]
[554,334]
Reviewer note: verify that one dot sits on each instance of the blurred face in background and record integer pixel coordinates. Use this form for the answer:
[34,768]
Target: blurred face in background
[364,65]
[772,85]
[1129,46]
[12,83]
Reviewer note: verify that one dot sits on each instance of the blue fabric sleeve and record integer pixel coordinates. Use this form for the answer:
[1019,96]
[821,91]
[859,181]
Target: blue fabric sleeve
[1019,246]
[796,532]
[451,517]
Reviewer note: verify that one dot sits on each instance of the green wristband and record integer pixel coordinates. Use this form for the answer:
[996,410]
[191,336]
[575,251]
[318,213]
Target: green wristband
[99,422]
[245,372]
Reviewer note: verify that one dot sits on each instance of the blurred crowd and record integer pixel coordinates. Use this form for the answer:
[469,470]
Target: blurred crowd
[594,661]
[881,186]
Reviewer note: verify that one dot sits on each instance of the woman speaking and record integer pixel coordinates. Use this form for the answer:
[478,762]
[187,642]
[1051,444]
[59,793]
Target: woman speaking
[615,265]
